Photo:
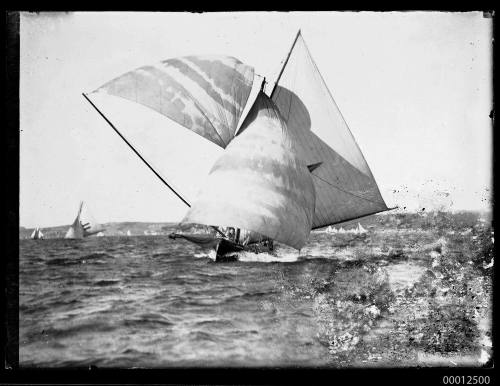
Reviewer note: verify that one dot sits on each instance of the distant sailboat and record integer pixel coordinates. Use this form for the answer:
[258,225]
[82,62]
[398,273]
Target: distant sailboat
[128,233]
[360,229]
[331,229]
[84,224]
[287,162]
[37,234]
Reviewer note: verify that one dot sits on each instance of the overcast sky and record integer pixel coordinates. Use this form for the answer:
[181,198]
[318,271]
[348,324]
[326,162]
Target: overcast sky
[414,87]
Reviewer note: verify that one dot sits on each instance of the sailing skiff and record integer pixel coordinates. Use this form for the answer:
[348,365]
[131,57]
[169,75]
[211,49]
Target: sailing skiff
[84,225]
[285,160]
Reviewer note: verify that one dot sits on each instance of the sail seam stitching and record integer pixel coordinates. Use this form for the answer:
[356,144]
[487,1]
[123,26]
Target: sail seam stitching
[345,191]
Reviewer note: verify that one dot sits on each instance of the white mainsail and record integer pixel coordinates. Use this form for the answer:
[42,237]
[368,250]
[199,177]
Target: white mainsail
[84,224]
[345,187]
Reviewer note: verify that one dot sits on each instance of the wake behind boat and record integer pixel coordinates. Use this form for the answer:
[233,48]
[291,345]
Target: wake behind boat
[287,162]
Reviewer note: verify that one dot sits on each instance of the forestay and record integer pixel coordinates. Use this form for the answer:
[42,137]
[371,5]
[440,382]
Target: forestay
[259,183]
[179,156]
[345,187]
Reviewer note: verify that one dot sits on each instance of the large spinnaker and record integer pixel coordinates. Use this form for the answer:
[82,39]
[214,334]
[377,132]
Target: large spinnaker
[207,95]
[259,183]
[345,187]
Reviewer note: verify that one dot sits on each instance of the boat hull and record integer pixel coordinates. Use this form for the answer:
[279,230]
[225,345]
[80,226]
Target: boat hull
[225,250]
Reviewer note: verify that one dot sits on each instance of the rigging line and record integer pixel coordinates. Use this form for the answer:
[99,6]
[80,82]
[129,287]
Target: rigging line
[286,61]
[147,164]
[135,151]
[345,191]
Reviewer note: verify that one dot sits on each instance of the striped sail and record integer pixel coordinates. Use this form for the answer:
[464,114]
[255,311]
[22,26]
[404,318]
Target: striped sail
[259,184]
[207,95]
[345,187]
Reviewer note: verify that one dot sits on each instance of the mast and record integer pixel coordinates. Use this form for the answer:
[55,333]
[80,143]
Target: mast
[286,61]
[79,210]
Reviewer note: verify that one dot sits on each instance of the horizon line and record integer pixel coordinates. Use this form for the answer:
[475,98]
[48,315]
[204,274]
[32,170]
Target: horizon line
[392,212]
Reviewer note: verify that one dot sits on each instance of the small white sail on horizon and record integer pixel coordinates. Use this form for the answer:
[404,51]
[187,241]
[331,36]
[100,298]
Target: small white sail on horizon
[360,229]
[128,233]
[37,234]
[331,229]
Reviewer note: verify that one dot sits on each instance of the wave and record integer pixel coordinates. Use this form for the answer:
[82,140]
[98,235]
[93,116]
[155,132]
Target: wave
[147,321]
[104,283]
[215,323]
[203,336]
[63,261]
[97,255]
[55,333]
[62,302]
[93,258]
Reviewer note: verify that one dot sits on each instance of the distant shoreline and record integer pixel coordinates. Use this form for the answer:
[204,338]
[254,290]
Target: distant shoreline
[144,228]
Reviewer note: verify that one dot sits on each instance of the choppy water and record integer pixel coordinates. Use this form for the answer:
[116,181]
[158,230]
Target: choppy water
[155,302]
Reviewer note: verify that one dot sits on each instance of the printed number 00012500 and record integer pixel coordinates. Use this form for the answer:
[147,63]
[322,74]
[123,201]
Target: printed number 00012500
[466,380]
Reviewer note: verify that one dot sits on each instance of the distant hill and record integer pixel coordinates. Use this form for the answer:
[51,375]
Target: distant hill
[118,229]
[423,220]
